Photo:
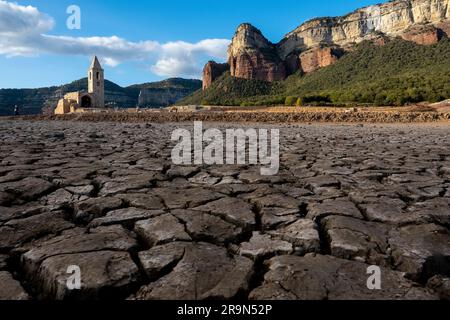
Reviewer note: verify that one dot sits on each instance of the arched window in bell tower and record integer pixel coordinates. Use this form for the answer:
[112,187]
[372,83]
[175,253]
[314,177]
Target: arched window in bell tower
[98,75]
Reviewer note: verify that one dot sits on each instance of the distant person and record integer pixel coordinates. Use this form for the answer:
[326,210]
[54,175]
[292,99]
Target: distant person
[16,110]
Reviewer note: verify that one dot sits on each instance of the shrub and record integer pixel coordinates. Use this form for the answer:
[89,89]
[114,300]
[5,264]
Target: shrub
[316,99]
[290,101]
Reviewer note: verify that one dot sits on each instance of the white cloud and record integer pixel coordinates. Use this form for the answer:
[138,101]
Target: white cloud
[186,58]
[24,32]
[109,48]
[20,20]
[172,67]
[212,47]
[111,62]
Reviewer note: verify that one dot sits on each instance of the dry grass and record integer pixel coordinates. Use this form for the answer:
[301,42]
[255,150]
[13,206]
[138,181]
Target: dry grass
[284,109]
[319,109]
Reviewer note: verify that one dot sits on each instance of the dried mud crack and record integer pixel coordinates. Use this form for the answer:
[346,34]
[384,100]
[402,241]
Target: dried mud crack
[106,197]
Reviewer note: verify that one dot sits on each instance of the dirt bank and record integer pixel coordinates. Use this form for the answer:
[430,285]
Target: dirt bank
[280,117]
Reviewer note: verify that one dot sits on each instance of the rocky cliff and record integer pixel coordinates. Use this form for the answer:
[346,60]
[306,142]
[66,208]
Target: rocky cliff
[317,58]
[252,56]
[391,19]
[321,41]
[425,35]
[212,71]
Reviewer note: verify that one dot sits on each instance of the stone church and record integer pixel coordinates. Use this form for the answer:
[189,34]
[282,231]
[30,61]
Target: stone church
[80,100]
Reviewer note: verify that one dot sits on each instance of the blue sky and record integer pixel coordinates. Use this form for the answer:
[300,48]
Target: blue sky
[141,40]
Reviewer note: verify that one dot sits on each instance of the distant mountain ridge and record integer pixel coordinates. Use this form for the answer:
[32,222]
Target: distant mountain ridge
[166,92]
[151,95]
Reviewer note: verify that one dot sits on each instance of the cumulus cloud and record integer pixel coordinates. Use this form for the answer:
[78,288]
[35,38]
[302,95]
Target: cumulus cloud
[172,67]
[109,48]
[182,57]
[21,20]
[24,31]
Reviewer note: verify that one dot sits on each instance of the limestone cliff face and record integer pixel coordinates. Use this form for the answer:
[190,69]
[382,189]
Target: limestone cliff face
[320,42]
[422,34]
[317,58]
[252,56]
[392,19]
[444,26]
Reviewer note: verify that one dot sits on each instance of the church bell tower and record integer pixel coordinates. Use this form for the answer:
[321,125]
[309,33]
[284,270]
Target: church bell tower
[96,83]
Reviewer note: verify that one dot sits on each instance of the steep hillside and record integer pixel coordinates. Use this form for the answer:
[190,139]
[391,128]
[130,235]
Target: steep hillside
[229,91]
[396,73]
[171,83]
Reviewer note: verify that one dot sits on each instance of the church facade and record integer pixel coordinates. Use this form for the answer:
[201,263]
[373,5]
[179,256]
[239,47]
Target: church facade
[94,98]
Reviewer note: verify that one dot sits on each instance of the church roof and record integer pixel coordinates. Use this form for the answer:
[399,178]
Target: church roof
[95,63]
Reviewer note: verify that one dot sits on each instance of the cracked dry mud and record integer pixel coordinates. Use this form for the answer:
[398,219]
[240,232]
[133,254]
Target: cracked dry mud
[107,198]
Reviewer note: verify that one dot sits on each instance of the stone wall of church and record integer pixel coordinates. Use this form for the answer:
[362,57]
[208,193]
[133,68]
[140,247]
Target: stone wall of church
[73,96]
[63,107]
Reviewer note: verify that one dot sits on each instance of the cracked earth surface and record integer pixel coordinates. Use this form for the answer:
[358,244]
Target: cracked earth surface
[107,198]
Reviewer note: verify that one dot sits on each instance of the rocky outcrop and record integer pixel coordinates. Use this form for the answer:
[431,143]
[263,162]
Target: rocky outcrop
[444,27]
[321,42]
[252,56]
[292,63]
[391,19]
[317,58]
[424,35]
[212,71]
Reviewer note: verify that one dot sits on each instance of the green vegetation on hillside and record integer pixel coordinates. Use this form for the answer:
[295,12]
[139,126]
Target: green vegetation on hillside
[227,90]
[171,83]
[398,73]
[164,93]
